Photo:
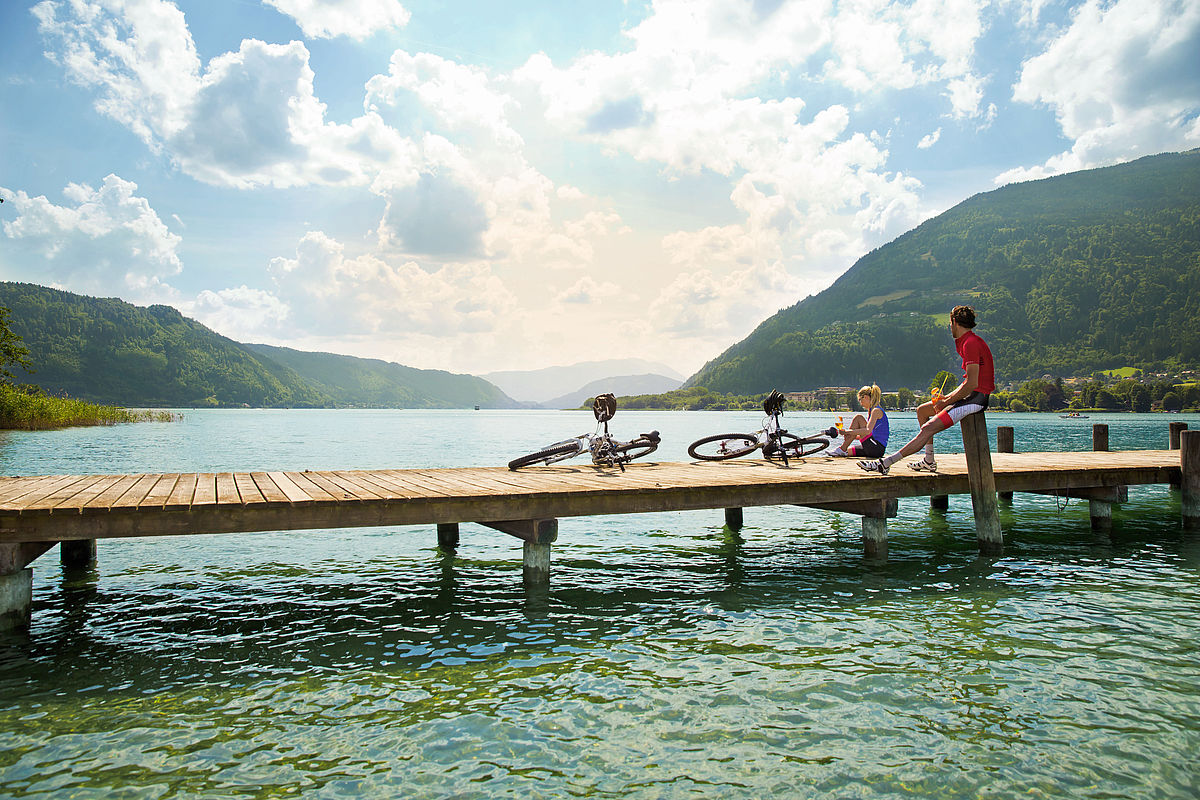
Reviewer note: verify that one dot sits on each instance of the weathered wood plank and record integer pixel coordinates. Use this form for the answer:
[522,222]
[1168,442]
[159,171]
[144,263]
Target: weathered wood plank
[271,493]
[227,492]
[206,490]
[247,489]
[318,493]
[161,493]
[289,487]
[65,492]
[108,497]
[134,495]
[76,504]
[318,487]
[30,490]
[184,491]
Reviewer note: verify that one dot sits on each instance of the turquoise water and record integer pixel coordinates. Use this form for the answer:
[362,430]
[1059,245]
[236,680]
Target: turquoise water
[669,658]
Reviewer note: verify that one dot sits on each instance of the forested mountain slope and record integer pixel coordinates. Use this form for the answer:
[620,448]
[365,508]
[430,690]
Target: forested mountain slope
[1071,274]
[108,351]
[374,383]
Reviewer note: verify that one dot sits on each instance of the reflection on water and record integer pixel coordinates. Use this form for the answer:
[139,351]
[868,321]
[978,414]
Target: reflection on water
[670,656]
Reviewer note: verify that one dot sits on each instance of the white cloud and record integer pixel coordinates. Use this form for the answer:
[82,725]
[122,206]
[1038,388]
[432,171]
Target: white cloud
[1122,81]
[929,139]
[250,119]
[329,293]
[704,306]
[356,19]
[588,291]
[99,240]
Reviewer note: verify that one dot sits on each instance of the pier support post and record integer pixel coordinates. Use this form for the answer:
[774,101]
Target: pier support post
[983,483]
[16,582]
[1176,428]
[1100,511]
[733,519]
[77,553]
[538,535]
[536,570]
[875,543]
[447,533]
[1189,464]
[1004,444]
[16,599]
[939,502]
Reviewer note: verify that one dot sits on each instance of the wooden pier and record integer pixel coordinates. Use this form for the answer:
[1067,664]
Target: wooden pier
[40,511]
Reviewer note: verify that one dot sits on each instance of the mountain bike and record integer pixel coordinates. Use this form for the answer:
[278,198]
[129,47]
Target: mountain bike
[775,441]
[606,451]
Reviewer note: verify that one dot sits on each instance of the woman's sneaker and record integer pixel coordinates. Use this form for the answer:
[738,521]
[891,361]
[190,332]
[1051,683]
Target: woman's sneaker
[874,466]
[921,465]
[837,451]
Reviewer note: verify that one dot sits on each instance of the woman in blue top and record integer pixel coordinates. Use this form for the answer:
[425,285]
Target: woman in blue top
[866,435]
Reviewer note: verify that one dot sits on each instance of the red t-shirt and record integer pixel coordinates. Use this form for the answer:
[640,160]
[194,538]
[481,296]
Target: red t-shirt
[974,350]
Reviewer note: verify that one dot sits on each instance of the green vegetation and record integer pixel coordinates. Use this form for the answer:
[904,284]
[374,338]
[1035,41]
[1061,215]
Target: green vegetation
[110,352]
[28,408]
[1090,271]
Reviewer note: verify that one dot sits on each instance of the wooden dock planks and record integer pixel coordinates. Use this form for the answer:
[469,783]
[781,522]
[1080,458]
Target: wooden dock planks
[39,508]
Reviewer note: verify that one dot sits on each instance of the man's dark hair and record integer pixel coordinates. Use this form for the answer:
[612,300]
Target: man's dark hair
[964,316]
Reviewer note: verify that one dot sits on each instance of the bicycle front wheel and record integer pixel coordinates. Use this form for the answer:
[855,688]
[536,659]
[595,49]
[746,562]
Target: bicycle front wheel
[722,446]
[641,446]
[548,455]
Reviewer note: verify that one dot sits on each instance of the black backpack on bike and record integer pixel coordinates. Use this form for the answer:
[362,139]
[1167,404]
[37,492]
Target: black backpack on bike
[604,407]
[774,403]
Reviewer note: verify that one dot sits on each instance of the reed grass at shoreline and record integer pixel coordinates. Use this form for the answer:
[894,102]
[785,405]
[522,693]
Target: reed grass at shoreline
[28,408]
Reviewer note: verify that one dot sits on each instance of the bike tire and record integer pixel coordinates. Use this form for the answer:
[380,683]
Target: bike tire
[782,447]
[727,446]
[555,452]
[641,446]
[799,448]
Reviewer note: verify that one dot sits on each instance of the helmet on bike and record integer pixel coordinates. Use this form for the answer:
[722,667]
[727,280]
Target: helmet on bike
[774,402]
[604,406]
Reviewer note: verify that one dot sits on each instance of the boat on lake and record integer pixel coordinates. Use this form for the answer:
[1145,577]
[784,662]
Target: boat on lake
[1073,415]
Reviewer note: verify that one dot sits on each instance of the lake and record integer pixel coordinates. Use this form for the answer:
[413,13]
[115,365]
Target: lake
[669,658]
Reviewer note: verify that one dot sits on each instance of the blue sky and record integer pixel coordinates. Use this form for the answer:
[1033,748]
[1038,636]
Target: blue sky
[481,186]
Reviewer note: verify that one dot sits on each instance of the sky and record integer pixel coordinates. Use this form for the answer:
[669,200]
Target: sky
[474,185]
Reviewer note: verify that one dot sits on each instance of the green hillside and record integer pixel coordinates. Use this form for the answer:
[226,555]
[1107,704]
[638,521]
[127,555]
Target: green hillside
[108,351]
[1072,274]
[374,383]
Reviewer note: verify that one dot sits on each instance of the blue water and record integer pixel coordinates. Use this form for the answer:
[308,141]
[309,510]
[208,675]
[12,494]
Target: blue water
[670,657]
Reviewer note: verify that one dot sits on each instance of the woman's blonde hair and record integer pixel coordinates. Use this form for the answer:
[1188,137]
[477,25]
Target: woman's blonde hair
[874,393]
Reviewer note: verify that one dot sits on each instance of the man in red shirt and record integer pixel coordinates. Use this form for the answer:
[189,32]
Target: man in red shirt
[970,396]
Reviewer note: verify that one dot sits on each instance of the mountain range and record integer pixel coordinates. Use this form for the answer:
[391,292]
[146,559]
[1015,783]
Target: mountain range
[1069,275]
[554,386]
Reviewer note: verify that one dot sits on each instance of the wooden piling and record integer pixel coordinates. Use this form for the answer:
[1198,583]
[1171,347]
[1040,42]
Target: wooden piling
[1100,511]
[1004,444]
[1189,484]
[733,519]
[16,582]
[983,483]
[77,553]
[939,502]
[536,569]
[1176,428]
[447,535]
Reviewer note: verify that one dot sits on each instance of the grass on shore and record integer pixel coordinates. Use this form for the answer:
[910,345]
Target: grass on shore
[28,408]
